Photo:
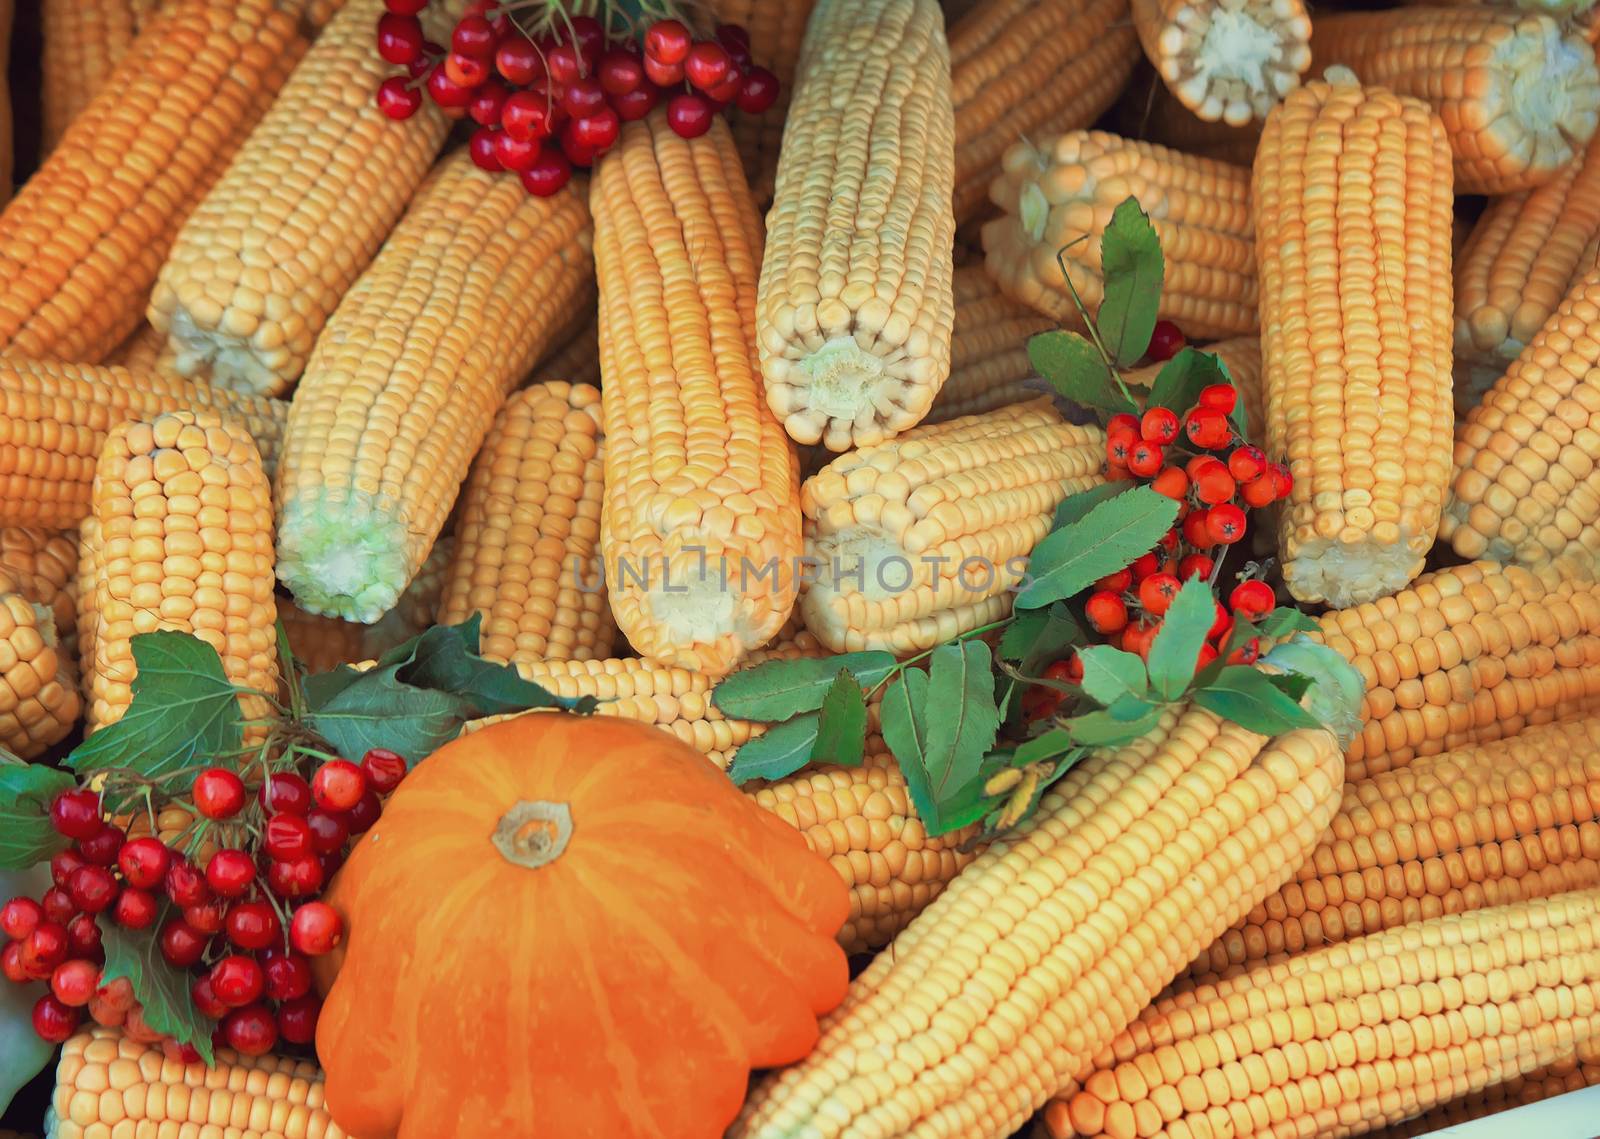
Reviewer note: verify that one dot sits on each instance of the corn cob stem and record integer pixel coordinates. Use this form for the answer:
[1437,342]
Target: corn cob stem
[989,365]
[466,295]
[854,310]
[1057,197]
[1362,416]
[1040,951]
[1519,98]
[1029,69]
[1226,60]
[1339,1041]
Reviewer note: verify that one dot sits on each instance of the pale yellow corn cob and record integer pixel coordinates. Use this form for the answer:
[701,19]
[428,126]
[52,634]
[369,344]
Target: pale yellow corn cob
[89,571]
[923,537]
[83,41]
[700,532]
[1226,61]
[1582,1070]
[467,293]
[46,563]
[577,361]
[1519,98]
[39,702]
[148,350]
[854,311]
[54,418]
[263,262]
[1054,192]
[183,512]
[528,545]
[776,33]
[1029,69]
[1352,210]
[989,366]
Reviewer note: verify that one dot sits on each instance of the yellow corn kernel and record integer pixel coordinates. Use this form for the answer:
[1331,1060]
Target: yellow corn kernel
[1064,189]
[183,512]
[855,307]
[577,360]
[1581,1070]
[83,41]
[1352,210]
[39,703]
[1226,61]
[467,293]
[45,562]
[776,33]
[147,350]
[989,365]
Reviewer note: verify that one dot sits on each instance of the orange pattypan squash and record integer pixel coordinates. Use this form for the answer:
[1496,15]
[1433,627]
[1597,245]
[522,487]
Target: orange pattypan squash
[572,927]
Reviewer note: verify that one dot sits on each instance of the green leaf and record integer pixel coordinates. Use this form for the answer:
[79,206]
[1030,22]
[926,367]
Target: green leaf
[1131,708]
[961,719]
[184,711]
[1177,386]
[1286,619]
[779,751]
[1037,636]
[1241,422]
[963,807]
[1110,674]
[1175,652]
[1103,541]
[777,689]
[1057,741]
[1245,696]
[1132,267]
[162,989]
[905,733]
[1102,729]
[445,658]
[842,733]
[1075,369]
[1292,685]
[378,709]
[26,791]
[1075,506]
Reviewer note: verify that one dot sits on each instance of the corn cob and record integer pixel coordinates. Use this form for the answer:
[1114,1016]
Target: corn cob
[1569,11]
[1466,655]
[1029,69]
[1356,333]
[108,1084]
[1524,252]
[89,571]
[245,289]
[527,556]
[54,418]
[39,703]
[319,14]
[1582,1070]
[147,350]
[81,243]
[854,310]
[989,366]
[406,377]
[698,474]
[861,820]
[1339,1041]
[1526,487]
[1028,963]
[893,532]
[323,643]
[1065,189]
[83,41]
[184,518]
[1150,111]
[1518,98]
[46,563]
[1226,61]
[577,361]
[776,32]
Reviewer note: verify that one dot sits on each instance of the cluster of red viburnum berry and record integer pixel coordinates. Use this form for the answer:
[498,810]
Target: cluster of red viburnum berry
[547,103]
[1199,460]
[244,924]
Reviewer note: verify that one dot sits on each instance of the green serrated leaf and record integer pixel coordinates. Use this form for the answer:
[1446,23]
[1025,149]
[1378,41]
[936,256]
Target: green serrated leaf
[1074,507]
[1132,267]
[1291,684]
[1055,742]
[905,733]
[26,791]
[1102,729]
[781,750]
[1103,541]
[445,659]
[1175,652]
[1286,619]
[778,689]
[961,720]
[184,711]
[1178,384]
[963,807]
[1245,696]
[1131,708]
[1241,421]
[1110,674]
[1038,636]
[381,710]
[161,988]
[1075,369]
[842,732]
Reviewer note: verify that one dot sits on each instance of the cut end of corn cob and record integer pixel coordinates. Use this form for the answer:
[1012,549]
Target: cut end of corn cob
[344,553]
[1229,62]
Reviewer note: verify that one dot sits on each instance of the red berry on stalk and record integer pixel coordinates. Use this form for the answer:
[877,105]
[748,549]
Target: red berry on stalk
[230,872]
[19,917]
[527,116]
[93,889]
[707,65]
[76,814]
[135,908]
[1208,653]
[590,37]
[102,849]
[467,72]
[488,103]
[287,836]
[514,153]
[519,61]
[144,862]
[731,36]
[667,41]
[397,100]
[1219,397]
[583,97]
[1195,565]
[74,982]
[54,1021]
[83,937]
[1166,341]
[117,994]
[1195,531]
[1123,423]
[208,916]
[1259,491]
[205,998]
[62,864]
[689,116]
[1221,625]
[384,769]
[315,929]
[1215,486]
[11,966]
[1157,591]
[45,948]
[58,904]
[726,92]
[1119,448]
[361,817]
[1136,638]
[286,793]
[1144,565]
[1068,668]
[563,64]
[337,786]
[1116,582]
[423,65]
[596,132]
[400,39]
[1246,653]
[758,91]
[620,73]
[218,793]
[446,92]
[1247,462]
[1225,524]
[1171,482]
[481,148]
[1159,425]
[1106,611]
[184,884]
[237,980]
[252,925]
[297,1019]
[1283,481]
[328,831]
[405,7]
[1207,428]
[181,944]
[547,175]
[663,74]
[250,1031]
[1252,600]
[288,974]
[295,878]
[473,36]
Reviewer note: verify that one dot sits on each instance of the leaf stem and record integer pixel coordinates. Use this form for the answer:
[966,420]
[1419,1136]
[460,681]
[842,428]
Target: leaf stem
[1094,332]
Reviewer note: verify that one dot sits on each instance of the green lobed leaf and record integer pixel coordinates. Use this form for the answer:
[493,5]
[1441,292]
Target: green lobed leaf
[161,988]
[778,689]
[781,750]
[1286,619]
[1175,652]
[1102,729]
[1130,708]
[905,733]
[378,709]
[1245,696]
[445,658]
[1132,267]
[184,711]
[965,806]
[842,732]
[1037,636]
[1074,507]
[1075,369]
[1103,541]
[961,721]
[1110,674]
[1055,742]
[26,791]
[1178,384]
[1291,684]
